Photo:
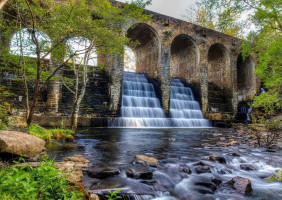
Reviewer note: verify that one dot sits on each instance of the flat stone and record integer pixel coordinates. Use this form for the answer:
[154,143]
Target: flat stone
[21,144]
[103,172]
[248,167]
[139,172]
[241,185]
[79,162]
[142,159]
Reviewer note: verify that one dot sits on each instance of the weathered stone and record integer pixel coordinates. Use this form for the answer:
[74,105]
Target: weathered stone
[94,197]
[103,172]
[79,162]
[142,159]
[142,172]
[22,144]
[241,185]
[75,176]
[248,167]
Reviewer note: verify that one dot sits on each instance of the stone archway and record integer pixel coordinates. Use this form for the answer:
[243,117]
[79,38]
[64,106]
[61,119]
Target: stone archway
[185,57]
[219,80]
[246,82]
[147,50]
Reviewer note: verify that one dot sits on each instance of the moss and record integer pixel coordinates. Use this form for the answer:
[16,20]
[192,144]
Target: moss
[49,134]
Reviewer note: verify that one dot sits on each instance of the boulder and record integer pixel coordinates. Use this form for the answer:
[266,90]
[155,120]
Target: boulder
[103,172]
[75,176]
[21,144]
[217,159]
[248,167]
[94,197]
[241,185]
[151,161]
[142,172]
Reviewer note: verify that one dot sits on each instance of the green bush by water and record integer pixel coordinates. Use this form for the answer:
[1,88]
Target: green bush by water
[42,182]
[49,134]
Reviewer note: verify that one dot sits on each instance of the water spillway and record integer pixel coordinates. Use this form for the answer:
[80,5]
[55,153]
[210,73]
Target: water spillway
[140,106]
[184,110]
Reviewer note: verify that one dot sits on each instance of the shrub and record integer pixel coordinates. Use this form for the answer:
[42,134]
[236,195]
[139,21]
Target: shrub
[42,182]
[49,134]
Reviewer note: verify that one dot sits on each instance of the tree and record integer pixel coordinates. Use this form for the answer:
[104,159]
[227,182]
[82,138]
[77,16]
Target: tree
[214,18]
[97,20]
[264,39]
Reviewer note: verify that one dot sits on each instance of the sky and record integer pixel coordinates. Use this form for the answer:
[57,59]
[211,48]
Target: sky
[173,8]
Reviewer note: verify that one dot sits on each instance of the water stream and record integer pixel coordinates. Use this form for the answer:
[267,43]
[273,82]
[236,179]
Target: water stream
[118,147]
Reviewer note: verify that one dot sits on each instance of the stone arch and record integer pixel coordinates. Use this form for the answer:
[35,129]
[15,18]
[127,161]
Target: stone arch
[80,45]
[147,50]
[185,59]
[21,43]
[219,66]
[246,82]
[219,80]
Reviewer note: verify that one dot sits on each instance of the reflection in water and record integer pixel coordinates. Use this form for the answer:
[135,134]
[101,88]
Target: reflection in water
[118,147]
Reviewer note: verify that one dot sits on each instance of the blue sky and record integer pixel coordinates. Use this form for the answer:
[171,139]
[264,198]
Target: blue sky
[173,8]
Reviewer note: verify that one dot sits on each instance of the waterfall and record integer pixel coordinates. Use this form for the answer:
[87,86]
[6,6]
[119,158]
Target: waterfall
[184,110]
[140,106]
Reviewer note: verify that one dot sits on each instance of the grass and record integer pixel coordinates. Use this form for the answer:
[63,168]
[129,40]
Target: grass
[40,183]
[49,134]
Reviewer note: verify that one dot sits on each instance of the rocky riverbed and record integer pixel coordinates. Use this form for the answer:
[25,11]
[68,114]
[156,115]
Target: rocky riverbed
[174,163]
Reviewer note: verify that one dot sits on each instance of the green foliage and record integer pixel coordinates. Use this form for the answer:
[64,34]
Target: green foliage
[264,39]
[3,107]
[42,182]
[113,195]
[49,134]
[276,177]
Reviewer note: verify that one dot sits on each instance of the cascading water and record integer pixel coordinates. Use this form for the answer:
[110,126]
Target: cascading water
[184,110]
[140,107]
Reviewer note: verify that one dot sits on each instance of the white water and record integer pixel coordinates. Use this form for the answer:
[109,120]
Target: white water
[141,108]
[184,110]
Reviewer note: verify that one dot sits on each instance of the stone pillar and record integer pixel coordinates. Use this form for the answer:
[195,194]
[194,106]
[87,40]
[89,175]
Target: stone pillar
[204,89]
[53,96]
[116,82]
[233,66]
[165,77]
[204,77]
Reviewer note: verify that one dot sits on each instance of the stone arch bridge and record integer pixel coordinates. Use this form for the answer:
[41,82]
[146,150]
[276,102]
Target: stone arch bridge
[209,61]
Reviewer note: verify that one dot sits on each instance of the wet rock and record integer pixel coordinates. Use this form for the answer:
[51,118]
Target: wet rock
[241,185]
[234,154]
[202,169]
[103,172]
[185,169]
[226,171]
[21,144]
[205,187]
[206,145]
[216,181]
[220,144]
[142,172]
[248,167]
[217,159]
[142,159]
